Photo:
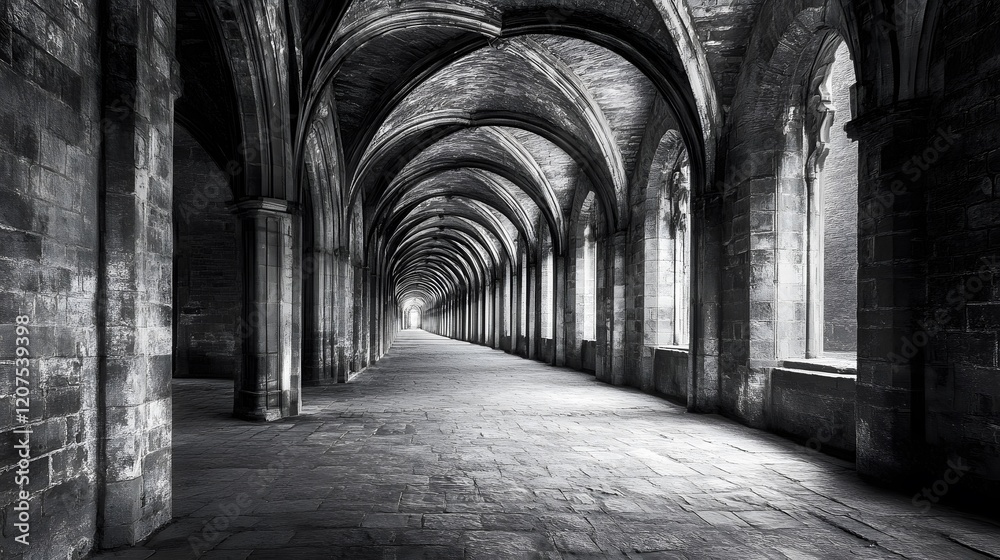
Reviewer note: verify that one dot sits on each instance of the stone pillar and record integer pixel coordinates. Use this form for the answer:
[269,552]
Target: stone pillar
[460,316]
[375,317]
[480,316]
[135,271]
[496,299]
[468,308]
[508,310]
[517,308]
[318,306]
[364,321]
[452,318]
[573,314]
[706,289]
[611,335]
[472,299]
[470,315]
[486,304]
[618,314]
[342,315]
[534,333]
[463,305]
[891,286]
[267,388]
[559,310]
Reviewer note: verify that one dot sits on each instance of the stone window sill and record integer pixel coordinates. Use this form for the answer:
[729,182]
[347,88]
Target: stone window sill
[841,363]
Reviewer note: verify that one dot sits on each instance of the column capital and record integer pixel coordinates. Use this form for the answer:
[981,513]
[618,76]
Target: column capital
[261,205]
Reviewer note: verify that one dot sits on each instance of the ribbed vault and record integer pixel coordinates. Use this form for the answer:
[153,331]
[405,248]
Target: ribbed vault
[467,132]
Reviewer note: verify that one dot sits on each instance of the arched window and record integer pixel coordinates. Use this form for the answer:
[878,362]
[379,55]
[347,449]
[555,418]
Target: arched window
[675,206]
[507,299]
[668,245]
[818,208]
[832,183]
[589,285]
[585,271]
[545,316]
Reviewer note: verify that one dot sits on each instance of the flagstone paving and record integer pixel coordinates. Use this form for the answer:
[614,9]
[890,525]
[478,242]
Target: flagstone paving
[448,450]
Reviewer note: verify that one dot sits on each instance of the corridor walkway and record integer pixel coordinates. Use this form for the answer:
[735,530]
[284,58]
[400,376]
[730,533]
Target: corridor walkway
[447,450]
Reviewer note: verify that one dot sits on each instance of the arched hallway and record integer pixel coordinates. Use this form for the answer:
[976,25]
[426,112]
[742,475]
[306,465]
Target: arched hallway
[447,450]
[221,214]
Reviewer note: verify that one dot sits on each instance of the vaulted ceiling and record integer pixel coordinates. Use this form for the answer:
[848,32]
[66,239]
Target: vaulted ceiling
[465,127]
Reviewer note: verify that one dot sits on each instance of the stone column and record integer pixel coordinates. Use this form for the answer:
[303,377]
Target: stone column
[364,322]
[706,289]
[135,288]
[559,310]
[484,320]
[319,359]
[467,314]
[342,315]
[517,308]
[891,404]
[573,314]
[496,299]
[611,304]
[618,311]
[472,301]
[266,388]
[534,320]
[375,316]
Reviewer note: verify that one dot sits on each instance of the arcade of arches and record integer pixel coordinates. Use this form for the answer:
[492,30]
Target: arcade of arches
[782,212]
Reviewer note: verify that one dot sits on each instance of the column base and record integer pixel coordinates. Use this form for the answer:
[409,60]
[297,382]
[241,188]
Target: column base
[250,407]
[257,415]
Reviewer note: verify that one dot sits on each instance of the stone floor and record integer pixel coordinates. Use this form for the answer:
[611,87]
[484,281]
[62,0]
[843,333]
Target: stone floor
[447,450]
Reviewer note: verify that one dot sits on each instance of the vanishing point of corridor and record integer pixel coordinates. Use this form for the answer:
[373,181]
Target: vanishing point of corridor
[449,450]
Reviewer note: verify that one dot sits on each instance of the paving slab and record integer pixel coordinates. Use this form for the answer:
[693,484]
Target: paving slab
[448,450]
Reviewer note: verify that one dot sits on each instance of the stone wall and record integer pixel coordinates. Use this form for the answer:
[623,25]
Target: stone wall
[49,150]
[208,291]
[961,318]
[671,372]
[137,269]
[815,408]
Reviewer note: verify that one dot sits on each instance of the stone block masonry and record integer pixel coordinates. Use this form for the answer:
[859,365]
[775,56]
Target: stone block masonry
[208,305]
[136,272]
[49,156]
[519,172]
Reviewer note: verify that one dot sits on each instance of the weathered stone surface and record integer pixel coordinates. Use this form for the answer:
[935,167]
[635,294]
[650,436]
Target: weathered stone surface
[48,174]
[420,458]
[208,293]
[783,212]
